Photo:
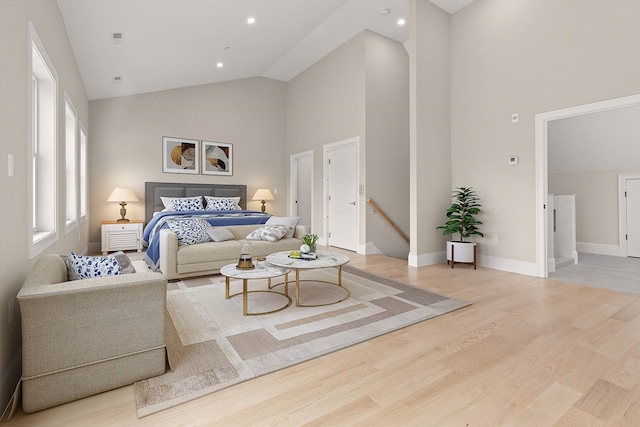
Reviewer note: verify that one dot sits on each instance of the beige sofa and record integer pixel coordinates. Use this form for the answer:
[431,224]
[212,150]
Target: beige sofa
[177,262]
[86,336]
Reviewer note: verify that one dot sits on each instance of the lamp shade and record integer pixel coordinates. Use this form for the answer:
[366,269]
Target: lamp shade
[122,195]
[263,194]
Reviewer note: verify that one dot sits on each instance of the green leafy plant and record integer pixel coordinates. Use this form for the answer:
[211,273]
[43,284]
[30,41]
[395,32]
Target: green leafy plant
[461,214]
[310,240]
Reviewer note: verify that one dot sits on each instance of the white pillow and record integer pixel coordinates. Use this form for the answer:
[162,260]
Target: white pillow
[220,234]
[190,231]
[271,233]
[87,267]
[289,221]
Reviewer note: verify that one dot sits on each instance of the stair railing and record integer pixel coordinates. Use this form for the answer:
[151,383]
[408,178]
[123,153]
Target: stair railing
[375,207]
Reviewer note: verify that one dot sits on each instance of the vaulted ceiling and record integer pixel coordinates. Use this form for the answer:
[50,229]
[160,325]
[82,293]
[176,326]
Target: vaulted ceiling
[167,44]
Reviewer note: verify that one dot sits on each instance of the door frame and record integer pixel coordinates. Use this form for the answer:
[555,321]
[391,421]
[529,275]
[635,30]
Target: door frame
[622,211]
[542,169]
[293,182]
[324,239]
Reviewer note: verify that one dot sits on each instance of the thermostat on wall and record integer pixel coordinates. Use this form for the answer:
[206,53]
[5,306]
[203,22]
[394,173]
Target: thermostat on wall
[513,160]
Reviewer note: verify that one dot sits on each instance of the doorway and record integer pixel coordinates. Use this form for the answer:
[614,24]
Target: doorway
[301,182]
[542,166]
[341,163]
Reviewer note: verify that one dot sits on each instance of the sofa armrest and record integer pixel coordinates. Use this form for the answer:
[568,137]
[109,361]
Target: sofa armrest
[168,261]
[70,324]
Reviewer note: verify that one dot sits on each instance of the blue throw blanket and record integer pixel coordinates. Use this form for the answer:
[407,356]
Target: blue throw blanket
[151,235]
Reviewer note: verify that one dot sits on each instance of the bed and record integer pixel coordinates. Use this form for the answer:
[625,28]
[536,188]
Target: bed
[157,215]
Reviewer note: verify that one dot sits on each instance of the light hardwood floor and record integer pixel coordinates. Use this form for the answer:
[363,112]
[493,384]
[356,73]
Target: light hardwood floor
[528,352]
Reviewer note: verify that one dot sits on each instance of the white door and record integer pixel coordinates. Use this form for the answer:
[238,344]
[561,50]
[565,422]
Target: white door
[302,187]
[633,217]
[342,194]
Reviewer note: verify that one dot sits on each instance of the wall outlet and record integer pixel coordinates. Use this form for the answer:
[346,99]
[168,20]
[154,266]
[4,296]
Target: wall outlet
[494,238]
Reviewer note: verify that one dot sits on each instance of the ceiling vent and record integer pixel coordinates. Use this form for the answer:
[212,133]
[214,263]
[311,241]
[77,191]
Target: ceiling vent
[117,38]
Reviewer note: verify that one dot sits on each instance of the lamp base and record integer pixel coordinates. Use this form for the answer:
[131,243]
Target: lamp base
[263,207]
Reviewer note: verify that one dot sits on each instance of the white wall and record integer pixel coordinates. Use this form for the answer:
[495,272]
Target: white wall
[14,262]
[528,57]
[126,139]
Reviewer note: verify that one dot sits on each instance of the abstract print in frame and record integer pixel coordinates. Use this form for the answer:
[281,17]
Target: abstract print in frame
[180,155]
[217,158]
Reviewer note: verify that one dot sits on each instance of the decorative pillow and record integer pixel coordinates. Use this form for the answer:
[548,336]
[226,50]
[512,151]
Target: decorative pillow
[190,231]
[168,201]
[210,202]
[221,203]
[187,204]
[289,221]
[86,267]
[220,234]
[271,233]
[124,262]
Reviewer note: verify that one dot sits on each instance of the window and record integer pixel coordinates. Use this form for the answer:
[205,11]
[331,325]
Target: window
[71,167]
[42,147]
[83,174]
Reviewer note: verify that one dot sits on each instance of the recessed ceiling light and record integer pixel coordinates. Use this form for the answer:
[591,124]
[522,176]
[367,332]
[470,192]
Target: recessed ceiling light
[251,20]
[401,21]
[219,65]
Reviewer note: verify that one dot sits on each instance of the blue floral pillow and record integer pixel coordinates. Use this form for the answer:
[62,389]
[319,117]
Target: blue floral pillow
[221,203]
[187,204]
[190,231]
[87,267]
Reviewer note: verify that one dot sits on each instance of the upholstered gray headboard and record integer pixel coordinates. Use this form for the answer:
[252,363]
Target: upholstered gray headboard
[154,190]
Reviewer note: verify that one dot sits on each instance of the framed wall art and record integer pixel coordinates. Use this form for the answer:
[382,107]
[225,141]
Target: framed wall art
[217,158]
[180,155]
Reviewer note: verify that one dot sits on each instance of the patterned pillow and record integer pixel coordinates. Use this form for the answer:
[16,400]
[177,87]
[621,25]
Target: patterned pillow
[187,204]
[289,221]
[99,266]
[190,231]
[220,203]
[271,233]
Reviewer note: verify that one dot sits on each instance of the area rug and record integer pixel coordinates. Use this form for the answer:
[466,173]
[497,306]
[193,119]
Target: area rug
[211,345]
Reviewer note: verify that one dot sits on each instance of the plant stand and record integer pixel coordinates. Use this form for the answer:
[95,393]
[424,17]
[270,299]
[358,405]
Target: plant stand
[453,259]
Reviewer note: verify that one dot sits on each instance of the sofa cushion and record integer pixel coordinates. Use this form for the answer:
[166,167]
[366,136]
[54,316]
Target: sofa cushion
[86,267]
[289,221]
[190,231]
[220,234]
[271,233]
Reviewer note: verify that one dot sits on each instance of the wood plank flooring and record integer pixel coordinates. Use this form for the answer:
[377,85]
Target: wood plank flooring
[528,352]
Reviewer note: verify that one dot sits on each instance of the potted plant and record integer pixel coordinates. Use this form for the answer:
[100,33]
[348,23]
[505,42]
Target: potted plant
[461,220]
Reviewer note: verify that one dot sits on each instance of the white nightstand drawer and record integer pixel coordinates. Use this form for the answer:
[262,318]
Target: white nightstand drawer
[120,236]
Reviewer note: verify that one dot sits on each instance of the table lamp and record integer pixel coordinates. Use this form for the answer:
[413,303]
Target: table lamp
[263,194]
[122,196]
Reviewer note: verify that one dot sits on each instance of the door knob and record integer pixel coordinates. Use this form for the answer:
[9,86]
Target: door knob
[353,203]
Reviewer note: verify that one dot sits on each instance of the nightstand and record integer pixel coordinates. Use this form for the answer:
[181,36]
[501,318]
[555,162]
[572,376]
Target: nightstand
[120,236]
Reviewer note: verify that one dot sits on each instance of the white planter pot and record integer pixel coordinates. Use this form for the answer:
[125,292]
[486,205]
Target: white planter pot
[463,251]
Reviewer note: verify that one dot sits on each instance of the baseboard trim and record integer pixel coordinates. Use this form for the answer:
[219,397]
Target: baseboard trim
[503,264]
[598,249]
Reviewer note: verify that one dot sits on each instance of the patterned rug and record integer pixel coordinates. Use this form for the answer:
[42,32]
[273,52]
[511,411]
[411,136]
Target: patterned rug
[211,345]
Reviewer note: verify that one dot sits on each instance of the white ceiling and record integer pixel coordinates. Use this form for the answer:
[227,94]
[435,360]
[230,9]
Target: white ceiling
[177,43]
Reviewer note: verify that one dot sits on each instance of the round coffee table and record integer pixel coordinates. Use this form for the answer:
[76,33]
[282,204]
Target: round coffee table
[323,260]
[261,271]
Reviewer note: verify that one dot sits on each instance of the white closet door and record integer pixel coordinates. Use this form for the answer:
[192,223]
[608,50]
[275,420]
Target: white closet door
[633,217]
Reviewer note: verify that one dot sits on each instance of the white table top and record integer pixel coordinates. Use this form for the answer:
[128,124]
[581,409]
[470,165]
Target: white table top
[324,260]
[261,271]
